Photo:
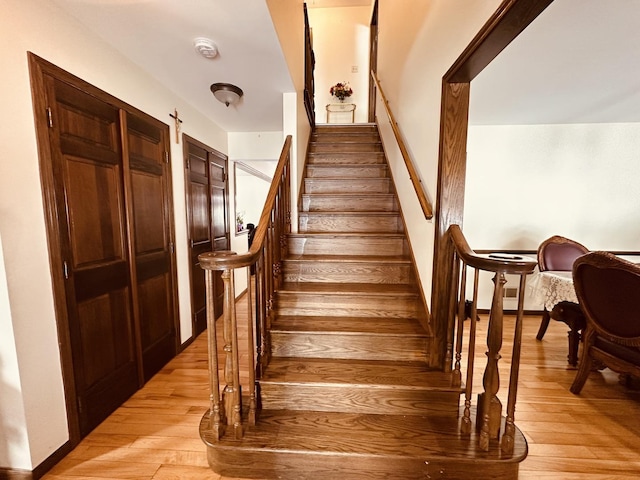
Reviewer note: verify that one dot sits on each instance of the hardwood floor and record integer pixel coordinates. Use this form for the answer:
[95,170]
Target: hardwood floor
[595,435]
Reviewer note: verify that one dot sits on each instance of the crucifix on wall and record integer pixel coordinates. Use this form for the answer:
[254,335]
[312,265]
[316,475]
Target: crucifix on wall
[177,121]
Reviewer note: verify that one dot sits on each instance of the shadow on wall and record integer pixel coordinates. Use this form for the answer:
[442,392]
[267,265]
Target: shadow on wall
[12,434]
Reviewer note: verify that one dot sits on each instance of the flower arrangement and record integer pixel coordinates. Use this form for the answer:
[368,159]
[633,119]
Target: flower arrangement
[341,90]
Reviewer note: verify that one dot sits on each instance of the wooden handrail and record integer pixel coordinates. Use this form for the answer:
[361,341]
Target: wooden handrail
[427,209]
[489,406]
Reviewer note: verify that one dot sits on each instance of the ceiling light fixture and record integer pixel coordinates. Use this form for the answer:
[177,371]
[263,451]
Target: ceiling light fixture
[206,47]
[226,93]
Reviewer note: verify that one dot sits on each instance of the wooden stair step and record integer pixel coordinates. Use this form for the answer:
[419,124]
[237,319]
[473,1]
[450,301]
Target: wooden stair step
[348,171]
[349,202]
[345,244]
[386,222]
[349,158]
[341,137]
[392,327]
[338,268]
[345,300]
[306,445]
[347,185]
[352,128]
[357,386]
[325,147]
[351,345]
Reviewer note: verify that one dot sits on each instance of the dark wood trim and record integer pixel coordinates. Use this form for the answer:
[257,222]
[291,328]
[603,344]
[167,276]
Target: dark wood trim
[37,69]
[373,61]
[509,20]
[14,474]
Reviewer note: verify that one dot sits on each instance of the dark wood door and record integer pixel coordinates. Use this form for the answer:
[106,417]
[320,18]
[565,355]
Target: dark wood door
[149,182]
[90,204]
[207,199]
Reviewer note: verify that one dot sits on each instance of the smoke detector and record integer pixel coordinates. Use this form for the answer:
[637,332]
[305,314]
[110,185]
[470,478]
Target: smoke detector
[205,47]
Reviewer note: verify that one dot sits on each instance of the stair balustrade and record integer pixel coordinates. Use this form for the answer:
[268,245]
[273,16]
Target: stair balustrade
[489,407]
[268,249]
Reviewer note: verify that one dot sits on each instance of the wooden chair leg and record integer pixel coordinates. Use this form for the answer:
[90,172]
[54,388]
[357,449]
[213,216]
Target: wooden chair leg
[543,325]
[574,340]
[585,365]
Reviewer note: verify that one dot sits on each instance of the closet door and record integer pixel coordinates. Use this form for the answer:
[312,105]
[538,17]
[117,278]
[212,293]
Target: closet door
[150,207]
[84,135]
[218,166]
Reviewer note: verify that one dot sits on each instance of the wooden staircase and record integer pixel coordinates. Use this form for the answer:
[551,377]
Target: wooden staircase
[348,393]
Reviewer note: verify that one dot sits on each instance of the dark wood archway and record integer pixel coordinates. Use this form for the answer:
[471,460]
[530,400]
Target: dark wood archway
[511,18]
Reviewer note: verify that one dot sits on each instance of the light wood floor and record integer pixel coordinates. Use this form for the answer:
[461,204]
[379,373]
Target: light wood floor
[596,435]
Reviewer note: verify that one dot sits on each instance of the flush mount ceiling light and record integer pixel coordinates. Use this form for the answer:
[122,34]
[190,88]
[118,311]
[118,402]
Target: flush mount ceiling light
[206,47]
[226,93]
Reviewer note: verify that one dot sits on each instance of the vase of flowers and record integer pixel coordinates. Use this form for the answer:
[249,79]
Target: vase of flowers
[341,90]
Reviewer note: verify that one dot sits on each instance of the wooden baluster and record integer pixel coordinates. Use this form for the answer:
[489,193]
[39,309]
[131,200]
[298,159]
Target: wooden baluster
[455,266]
[232,395]
[465,426]
[260,327]
[216,408]
[491,407]
[250,352]
[456,379]
[508,439]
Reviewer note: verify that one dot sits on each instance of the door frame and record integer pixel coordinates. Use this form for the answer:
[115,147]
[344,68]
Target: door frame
[38,69]
[509,20]
[186,140]
[373,61]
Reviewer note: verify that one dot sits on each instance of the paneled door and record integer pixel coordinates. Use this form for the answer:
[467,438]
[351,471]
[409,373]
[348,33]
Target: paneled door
[207,200]
[90,200]
[106,184]
[149,181]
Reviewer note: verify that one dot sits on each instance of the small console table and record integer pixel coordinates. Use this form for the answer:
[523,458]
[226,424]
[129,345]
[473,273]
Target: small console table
[338,109]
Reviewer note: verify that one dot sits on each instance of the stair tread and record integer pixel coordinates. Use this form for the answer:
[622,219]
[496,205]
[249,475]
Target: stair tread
[350,259]
[351,214]
[428,437]
[348,288]
[370,373]
[326,235]
[342,325]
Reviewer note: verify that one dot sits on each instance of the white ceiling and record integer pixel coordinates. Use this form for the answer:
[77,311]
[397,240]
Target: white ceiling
[158,36]
[578,62]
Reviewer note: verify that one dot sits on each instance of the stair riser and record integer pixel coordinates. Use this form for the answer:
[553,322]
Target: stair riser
[358,346]
[340,272]
[294,465]
[364,185]
[357,399]
[346,246]
[348,305]
[346,158]
[350,223]
[340,203]
[345,129]
[344,147]
[368,171]
[346,137]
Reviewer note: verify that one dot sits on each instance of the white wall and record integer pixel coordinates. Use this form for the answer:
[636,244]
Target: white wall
[526,183]
[249,148]
[418,43]
[534,181]
[40,27]
[341,44]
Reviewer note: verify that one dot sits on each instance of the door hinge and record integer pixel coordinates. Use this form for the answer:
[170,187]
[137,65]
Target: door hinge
[166,157]
[171,247]
[80,405]
[188,164]
[65,270]
[49,117]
